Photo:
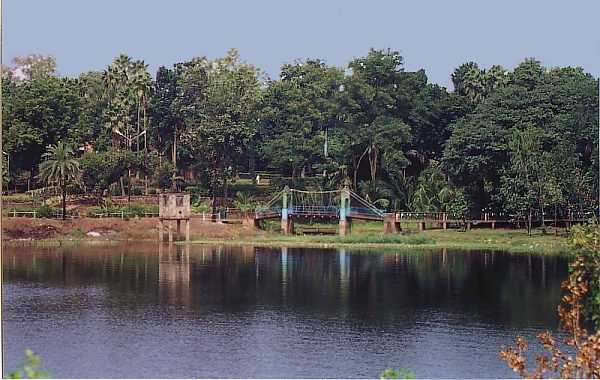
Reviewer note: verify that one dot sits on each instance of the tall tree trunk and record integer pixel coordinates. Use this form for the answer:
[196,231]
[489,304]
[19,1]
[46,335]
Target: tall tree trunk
[145,127]
[373,155]
[215,185]
[354,171]
[64,200]
[122,186]
[174,155]
[128,188]
[529,222]
[358,167]
[555,219]
[137,136]
[30,179]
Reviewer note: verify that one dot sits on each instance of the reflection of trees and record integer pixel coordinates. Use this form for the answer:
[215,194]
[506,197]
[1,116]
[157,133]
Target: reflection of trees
[491,286]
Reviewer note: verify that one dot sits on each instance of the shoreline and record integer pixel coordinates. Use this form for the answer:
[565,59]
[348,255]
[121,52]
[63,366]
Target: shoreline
[367,236]
[385,246]
[562,249]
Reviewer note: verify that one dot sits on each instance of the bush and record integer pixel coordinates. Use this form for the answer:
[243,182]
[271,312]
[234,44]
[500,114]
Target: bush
[393,374]
[45,211]
[134,209]
[196,192]
[248,188]
[139,209]
[115,190]
[202,207]
[30,369]
[164,177]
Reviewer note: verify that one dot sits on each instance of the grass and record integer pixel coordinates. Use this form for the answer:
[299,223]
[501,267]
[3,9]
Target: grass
[518,241]
[77,234]
[369,235]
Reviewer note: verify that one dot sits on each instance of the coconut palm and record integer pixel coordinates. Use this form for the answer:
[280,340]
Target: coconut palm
[60,168]
[244,201]
[495,77]
[375,192]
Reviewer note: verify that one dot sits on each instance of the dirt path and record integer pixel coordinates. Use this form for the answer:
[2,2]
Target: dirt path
[111,229]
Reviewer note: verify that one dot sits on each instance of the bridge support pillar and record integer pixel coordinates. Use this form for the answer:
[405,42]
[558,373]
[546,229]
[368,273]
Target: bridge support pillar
[390,225]
[345,227]
[422,226]
[345,221]
[287,226]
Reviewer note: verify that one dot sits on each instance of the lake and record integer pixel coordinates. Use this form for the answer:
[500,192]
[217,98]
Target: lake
[144,310]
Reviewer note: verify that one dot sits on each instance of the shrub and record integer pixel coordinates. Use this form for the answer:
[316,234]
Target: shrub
[30,369]
[581,358]
[134,209]
[45,211]
[164,177]
[202,207]
[196,192]
[393,374]
[139,209]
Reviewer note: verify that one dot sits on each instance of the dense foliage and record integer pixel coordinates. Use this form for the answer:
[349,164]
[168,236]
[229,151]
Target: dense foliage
[518,142]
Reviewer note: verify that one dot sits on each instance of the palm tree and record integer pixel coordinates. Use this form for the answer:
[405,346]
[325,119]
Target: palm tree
[61,168]
[495,77]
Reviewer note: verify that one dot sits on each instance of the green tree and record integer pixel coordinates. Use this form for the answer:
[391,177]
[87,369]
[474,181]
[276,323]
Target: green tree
[528,182]
[34,66]
[562,103]
[127,85]
[299,117]
[36,114]
[373,127]
[61,168]
[175,101]
[224,118]
[92,126]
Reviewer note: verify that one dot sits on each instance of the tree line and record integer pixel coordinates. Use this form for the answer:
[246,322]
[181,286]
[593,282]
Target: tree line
[518,142]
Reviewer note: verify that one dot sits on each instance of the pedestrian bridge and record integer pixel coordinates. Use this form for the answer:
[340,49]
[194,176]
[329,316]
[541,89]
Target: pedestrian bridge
[343,205]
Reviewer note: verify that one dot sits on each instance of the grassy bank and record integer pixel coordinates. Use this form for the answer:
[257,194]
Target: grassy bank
[368,235]
[365,235]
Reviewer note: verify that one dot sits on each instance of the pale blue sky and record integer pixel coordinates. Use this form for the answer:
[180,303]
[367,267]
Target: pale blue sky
[434,35]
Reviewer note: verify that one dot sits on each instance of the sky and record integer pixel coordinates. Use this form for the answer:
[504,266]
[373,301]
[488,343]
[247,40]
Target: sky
[437,35]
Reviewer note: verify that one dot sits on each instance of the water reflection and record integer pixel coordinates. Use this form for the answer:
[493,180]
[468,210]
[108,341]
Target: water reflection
[174,274]
[292,307]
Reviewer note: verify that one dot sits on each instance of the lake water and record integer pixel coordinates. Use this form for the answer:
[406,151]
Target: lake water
[149,311]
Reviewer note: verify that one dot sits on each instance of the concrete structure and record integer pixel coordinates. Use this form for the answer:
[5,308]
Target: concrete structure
[345,221]
[391,225]
[173,207]
[287,224]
